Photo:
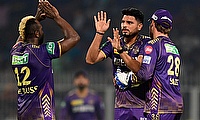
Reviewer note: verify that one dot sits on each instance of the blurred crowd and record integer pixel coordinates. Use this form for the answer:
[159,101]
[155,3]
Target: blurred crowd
[79,13]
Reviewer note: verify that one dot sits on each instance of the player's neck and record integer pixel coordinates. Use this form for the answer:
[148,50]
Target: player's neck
[157,34]
[33,41]
[130,40]
[82,93]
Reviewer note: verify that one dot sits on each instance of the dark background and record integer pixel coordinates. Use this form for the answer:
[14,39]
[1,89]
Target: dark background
[79,13]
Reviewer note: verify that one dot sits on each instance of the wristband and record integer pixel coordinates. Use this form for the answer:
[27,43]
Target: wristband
[100,33]
[120,51]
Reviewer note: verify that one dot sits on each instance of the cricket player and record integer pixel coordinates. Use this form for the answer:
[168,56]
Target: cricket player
[161,65]
[82,103]
[129,101]
[31,63]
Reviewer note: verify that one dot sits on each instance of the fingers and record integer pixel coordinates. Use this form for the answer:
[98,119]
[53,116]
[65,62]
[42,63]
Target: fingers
[102,16]
[99,16]
[95,19]
[45,3]
[116,33]
[110,39]
[45,7]
[105,16]
[108,21]
[43,0]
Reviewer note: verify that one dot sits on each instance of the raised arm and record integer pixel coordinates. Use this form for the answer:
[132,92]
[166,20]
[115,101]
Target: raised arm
[101,24]
[71,37]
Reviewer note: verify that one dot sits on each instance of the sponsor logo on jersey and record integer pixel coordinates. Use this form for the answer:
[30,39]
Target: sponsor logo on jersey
[147,59]
[171,49]
[50,47]
[19,60]
[83,108]
[115,51]
[148,49]
[136,50]
[77,102]
[119,62]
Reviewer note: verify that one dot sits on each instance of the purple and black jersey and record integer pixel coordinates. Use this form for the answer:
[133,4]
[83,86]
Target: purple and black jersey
[33,71]
[132,97]
[87,108]
[161,65]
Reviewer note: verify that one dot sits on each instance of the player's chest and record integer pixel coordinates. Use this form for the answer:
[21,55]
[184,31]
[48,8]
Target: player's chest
[82,105]
[132,52]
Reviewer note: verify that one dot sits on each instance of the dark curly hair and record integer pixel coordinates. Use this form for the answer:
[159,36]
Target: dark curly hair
[139,16]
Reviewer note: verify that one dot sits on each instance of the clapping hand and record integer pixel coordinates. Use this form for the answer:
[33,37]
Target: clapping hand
[49,10]
[116,40]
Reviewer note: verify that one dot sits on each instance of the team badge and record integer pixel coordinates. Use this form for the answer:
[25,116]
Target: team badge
[136,50]
[148,49]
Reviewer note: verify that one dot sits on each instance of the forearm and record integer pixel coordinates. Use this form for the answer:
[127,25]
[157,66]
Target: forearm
[131,63]
[71,37]
[67,29]
[94,50]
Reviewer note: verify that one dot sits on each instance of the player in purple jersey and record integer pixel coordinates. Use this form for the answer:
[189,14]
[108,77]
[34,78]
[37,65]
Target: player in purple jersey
[82,103]
[129,101]
[31,63]
[161,65]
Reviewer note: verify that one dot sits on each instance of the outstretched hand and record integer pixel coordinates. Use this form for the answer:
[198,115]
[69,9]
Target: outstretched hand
[49,10]
[116,40]
[101,22]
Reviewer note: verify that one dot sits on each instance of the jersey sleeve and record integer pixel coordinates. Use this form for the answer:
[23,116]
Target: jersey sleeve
[53,49]
[106,49]
[144,42]
[149,60]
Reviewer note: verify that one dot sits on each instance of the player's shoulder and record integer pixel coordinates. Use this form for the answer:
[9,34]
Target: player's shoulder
[71,93]
[154,41]
[107,43]
[93,92]
[17,44]
[145,37]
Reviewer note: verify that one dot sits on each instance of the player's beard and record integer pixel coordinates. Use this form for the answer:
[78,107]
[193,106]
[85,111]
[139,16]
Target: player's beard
[81,86]
[41,39]
[151,31]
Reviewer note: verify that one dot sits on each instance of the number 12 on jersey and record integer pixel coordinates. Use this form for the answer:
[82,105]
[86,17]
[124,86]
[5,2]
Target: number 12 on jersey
[25,71]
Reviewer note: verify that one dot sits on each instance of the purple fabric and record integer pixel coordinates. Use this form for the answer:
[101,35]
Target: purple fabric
[161,65]
[129,114]
[75,108]
[132,97]
[33,70]
[164,116]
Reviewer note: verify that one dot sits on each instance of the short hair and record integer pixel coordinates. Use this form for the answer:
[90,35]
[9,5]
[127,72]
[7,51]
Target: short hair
[80,73]
[162,29]
[139,16]
[27,27]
